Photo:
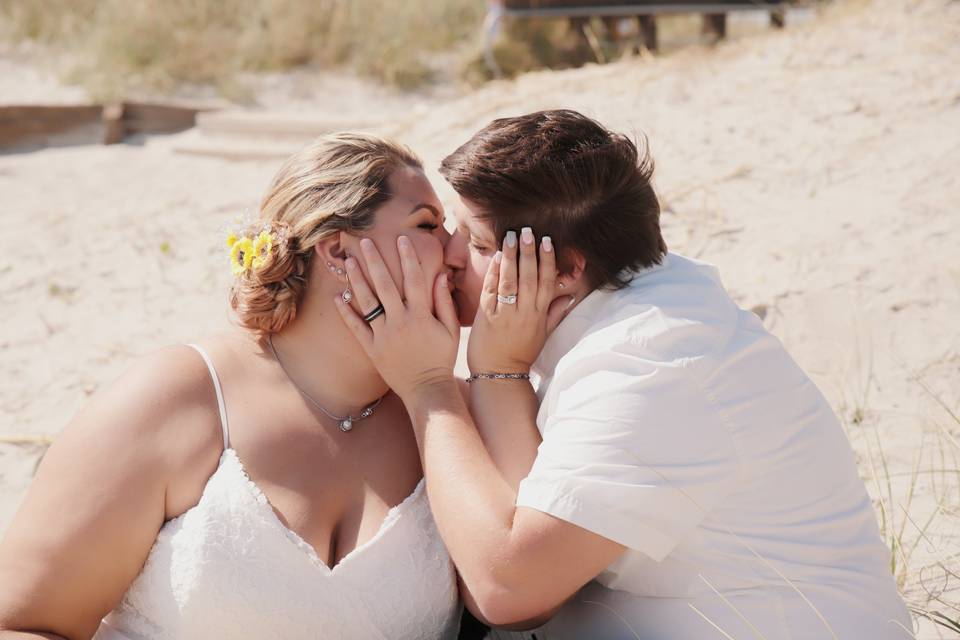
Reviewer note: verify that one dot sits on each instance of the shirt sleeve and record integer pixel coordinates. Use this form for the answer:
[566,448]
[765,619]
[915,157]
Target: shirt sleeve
[633,450]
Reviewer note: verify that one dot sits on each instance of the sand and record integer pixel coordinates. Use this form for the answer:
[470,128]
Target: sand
[817,167]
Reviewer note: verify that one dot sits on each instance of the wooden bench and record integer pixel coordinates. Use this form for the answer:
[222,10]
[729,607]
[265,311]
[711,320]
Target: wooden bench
[714,12]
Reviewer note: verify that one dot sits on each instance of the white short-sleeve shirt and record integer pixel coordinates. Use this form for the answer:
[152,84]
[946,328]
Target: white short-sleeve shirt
[675,424]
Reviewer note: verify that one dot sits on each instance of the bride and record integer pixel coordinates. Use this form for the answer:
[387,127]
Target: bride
[264,483]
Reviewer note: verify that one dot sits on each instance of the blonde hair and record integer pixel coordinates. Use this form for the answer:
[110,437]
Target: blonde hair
[337,183]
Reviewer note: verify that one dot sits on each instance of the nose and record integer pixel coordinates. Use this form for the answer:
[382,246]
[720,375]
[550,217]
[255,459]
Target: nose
[455,251]
[444,236]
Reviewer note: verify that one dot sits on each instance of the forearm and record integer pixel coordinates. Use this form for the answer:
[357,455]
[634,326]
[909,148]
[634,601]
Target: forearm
[505,414]
[473,505]
[508,559]
[28,635]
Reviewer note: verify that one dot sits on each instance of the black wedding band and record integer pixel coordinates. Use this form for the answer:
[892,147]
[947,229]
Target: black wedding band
[376,313]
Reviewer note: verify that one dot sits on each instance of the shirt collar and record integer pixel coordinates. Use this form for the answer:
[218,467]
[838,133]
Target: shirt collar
[581,318]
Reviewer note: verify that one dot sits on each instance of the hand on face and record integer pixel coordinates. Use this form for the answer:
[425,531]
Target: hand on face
[409,346]
[508,336]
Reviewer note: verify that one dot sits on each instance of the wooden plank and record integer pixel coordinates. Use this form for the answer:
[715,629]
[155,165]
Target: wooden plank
[582,11]
[114,129]
[33,124]
[547,4]
[566,4]
[159,118]
[50,113]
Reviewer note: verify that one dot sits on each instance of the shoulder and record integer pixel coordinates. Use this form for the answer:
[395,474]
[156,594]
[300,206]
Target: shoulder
[107,483]
[158,389]
[674,312]
[159,417]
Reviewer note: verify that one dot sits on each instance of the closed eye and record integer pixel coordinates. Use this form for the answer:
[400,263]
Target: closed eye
[428,225]
[478,247]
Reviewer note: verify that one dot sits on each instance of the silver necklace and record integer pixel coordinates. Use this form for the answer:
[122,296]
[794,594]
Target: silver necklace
[344,422]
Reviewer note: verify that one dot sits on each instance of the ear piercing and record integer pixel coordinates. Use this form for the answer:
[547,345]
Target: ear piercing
[561,285]
[337,270]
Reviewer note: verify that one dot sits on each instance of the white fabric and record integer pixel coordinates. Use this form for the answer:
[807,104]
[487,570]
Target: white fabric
[229,568]
[674,424]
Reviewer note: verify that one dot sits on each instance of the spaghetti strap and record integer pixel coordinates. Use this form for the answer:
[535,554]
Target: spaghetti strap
[216,386]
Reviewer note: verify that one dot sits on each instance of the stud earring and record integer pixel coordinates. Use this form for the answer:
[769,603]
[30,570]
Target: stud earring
[340,271]
[561,285]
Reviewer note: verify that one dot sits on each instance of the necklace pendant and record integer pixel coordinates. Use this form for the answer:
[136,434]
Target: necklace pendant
[346,424]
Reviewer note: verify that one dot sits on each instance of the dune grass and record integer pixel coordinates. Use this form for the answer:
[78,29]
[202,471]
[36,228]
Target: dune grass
[115,46]
[918,509]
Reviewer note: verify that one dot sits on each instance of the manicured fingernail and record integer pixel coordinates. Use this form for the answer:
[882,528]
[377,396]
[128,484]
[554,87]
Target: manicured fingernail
[351,264]
[403,241]
[526,235]
[572,300]
[498,256]
[367,244]
[547,244]
[511,240]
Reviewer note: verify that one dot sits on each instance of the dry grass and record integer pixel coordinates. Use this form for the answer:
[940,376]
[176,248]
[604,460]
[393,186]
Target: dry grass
[918,508]
[116,46]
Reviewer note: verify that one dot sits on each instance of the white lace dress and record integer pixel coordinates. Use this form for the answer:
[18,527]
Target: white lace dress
[228,568]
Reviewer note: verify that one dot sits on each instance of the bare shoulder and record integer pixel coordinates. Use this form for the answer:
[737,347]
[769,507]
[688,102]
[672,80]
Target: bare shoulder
[157,424]
[137,453]
[164,405]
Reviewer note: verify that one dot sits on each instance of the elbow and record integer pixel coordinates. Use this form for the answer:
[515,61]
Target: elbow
[506,608]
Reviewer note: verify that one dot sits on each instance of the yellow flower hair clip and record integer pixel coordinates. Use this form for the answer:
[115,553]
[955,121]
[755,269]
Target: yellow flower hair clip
[261,249]
[241,254]
[249,254]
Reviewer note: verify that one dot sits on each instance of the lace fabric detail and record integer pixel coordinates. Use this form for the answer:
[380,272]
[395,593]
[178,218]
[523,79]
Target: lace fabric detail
[228,567]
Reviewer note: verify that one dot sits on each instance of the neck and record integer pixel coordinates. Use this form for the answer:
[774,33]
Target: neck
[323,358]
[580,290]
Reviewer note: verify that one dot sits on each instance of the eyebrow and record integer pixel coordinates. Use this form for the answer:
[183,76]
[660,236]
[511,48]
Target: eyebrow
[423,205]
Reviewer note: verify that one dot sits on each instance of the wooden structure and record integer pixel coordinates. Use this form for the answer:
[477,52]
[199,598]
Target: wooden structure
[31,126]
[714,13]
[256,135]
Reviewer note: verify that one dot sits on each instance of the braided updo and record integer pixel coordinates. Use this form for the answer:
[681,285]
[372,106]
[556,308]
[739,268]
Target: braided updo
[337,183]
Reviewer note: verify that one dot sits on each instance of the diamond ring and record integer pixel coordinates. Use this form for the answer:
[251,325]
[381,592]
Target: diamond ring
[512,299]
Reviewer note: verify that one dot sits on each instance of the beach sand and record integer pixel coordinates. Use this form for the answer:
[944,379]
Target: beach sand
[817,167]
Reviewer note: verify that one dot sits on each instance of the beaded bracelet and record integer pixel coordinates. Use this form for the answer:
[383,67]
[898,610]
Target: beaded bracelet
[498,376]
